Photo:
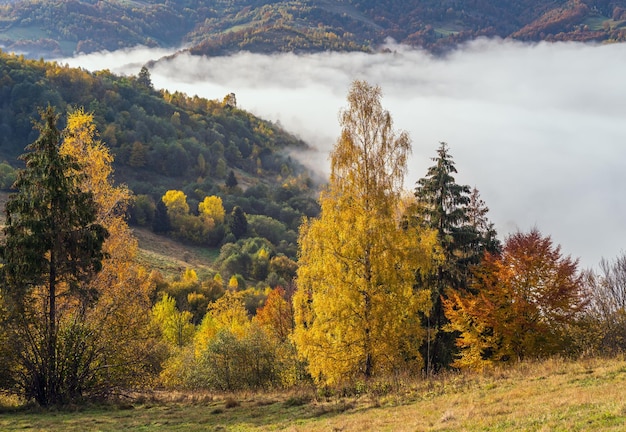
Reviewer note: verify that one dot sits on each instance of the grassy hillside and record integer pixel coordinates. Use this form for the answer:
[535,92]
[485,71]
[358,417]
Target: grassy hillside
[554,395]
[55,28]
[170,257]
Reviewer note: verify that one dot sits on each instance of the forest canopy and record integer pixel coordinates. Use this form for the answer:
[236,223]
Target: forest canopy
[62,28]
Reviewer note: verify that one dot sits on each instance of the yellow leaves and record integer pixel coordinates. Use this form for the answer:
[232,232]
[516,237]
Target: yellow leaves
[190,276]
[355,309]
[212,208]
[175,326]
[80,141]
[233,283]
[229,313]
[176,202]
[204,335]
[124,288]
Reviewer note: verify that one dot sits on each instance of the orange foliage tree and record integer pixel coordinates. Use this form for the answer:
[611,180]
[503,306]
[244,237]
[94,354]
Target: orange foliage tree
[519,305]
[120,317]
[276,315]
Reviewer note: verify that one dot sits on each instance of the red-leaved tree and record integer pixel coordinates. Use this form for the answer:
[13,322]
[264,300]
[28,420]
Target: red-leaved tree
[520,304]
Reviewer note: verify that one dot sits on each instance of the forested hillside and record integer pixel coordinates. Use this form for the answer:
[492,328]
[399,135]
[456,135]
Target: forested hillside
[57,28]
[213,159]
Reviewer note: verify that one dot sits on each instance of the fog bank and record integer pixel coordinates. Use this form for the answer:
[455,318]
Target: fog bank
[538,129]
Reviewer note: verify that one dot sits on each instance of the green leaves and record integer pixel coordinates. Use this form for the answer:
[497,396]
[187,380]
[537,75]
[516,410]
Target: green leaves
[50,221]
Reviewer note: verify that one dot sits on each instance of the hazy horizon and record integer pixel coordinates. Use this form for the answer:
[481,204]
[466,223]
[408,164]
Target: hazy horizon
[537,128]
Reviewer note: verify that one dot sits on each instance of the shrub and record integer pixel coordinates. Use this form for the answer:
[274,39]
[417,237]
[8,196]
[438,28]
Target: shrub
[229,363]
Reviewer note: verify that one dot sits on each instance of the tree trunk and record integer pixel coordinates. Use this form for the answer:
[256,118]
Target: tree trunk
[52,387]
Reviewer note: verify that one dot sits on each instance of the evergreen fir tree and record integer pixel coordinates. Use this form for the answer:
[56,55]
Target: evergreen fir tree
[231,180]
[238,222]
[144,78]
[161,223]
[52,246]
[459,217]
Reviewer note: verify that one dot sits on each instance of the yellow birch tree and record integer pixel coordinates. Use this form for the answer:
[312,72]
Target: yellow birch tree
[212,208]
[356,310]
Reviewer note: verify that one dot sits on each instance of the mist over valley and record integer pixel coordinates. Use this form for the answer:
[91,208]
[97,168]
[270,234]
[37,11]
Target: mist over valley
[537,128]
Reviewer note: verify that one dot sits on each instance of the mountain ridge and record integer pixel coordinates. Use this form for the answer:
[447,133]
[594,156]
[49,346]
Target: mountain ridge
[60,28]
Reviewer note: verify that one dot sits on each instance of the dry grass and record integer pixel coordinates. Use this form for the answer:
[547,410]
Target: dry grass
[537,396]
[170,257]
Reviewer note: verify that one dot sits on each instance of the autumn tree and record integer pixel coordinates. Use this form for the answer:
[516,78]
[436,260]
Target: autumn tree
[52,248]
[520,304]
[356,310]
[118,322]
[464,234]
[177,333]
[175,326]
[276,315]
[212,208]
[605,315]
[229,352]
[176,202]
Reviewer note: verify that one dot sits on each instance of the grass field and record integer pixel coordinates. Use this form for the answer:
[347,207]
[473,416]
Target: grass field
[170,257]
[555,395]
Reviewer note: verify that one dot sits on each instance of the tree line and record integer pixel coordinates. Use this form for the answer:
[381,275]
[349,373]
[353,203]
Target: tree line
[386,283]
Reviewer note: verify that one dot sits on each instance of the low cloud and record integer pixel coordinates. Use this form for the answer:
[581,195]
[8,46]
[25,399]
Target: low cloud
[538,129]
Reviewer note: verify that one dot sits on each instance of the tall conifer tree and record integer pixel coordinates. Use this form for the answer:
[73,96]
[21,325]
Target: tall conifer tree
[464,233]
[52,245]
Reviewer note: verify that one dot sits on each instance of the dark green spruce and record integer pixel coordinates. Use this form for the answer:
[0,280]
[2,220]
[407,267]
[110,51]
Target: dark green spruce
[238,223]
[52,246]
[459,216]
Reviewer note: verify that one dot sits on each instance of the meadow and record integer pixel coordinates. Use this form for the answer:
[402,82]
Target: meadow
[551,395]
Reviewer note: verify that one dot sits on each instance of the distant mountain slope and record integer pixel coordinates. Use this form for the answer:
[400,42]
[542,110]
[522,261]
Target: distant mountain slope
[163,140]
[62,27]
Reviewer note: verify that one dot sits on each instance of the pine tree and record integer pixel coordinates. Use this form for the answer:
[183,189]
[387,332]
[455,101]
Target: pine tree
[238,222]
[464,233]
[231,180]
[144,78]
[162,223]
[52,246]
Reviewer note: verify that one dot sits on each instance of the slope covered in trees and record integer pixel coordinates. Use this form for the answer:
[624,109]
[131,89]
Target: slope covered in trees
[230,171]
[159,140]
[55,28]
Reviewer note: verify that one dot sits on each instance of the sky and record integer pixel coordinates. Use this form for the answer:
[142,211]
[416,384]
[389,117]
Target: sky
[538,129]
